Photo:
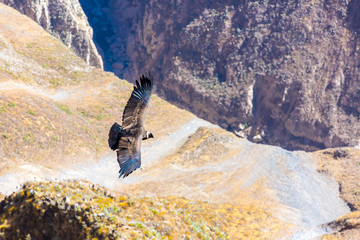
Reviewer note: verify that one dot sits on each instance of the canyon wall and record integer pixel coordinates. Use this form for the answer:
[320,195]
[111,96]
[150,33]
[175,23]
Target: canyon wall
[65,20]
[289,70]
[282,73]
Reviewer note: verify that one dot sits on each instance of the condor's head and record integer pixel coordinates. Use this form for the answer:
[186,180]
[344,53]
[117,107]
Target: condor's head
[148,135]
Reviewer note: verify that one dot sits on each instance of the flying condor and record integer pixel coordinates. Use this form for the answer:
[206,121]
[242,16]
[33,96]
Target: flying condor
[126,139]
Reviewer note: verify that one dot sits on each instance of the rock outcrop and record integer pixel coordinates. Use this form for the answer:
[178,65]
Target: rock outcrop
[289,70]
[65,20]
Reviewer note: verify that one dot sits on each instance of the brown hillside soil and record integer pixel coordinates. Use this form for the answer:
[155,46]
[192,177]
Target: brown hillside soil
[343,165]
[198,150]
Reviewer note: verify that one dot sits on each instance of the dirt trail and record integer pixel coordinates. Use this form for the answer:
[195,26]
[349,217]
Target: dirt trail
[104,171]
[289,180]
[303,196]
[54,95]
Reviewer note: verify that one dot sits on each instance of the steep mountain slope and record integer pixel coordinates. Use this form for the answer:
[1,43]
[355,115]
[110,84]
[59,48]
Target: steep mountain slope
[289,69]
[52,103]
[65,20]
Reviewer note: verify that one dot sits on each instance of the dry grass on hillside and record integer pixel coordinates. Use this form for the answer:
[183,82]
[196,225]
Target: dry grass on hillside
[31,55]
[346,227]
[343,165]
[38,127]
[81,210]
[40,130]
[198,150]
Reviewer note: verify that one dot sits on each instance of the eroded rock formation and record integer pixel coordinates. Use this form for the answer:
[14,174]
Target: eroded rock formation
[289,70]
[65,20]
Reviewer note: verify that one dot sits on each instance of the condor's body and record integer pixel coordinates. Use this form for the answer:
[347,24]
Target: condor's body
[126,139]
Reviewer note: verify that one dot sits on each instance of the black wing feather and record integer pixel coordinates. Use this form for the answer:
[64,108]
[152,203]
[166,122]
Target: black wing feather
[137,84]
[114,136]
[139,99]
[127,163]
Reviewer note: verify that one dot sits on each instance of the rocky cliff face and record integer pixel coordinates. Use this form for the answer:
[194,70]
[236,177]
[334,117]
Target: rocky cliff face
[289,70]
[65,20]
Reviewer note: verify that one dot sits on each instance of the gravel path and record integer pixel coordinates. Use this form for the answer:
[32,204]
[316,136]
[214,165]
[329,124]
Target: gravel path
[57,96]
[307,198]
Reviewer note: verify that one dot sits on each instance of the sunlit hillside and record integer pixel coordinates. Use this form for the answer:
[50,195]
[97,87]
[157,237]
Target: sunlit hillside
[55,112]
[53,105]
[82,210]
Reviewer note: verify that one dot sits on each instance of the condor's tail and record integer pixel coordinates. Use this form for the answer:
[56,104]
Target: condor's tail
[114,136]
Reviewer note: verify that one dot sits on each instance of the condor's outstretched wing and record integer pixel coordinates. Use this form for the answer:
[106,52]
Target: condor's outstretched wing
[134,112]
[128,161]
[128,153]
